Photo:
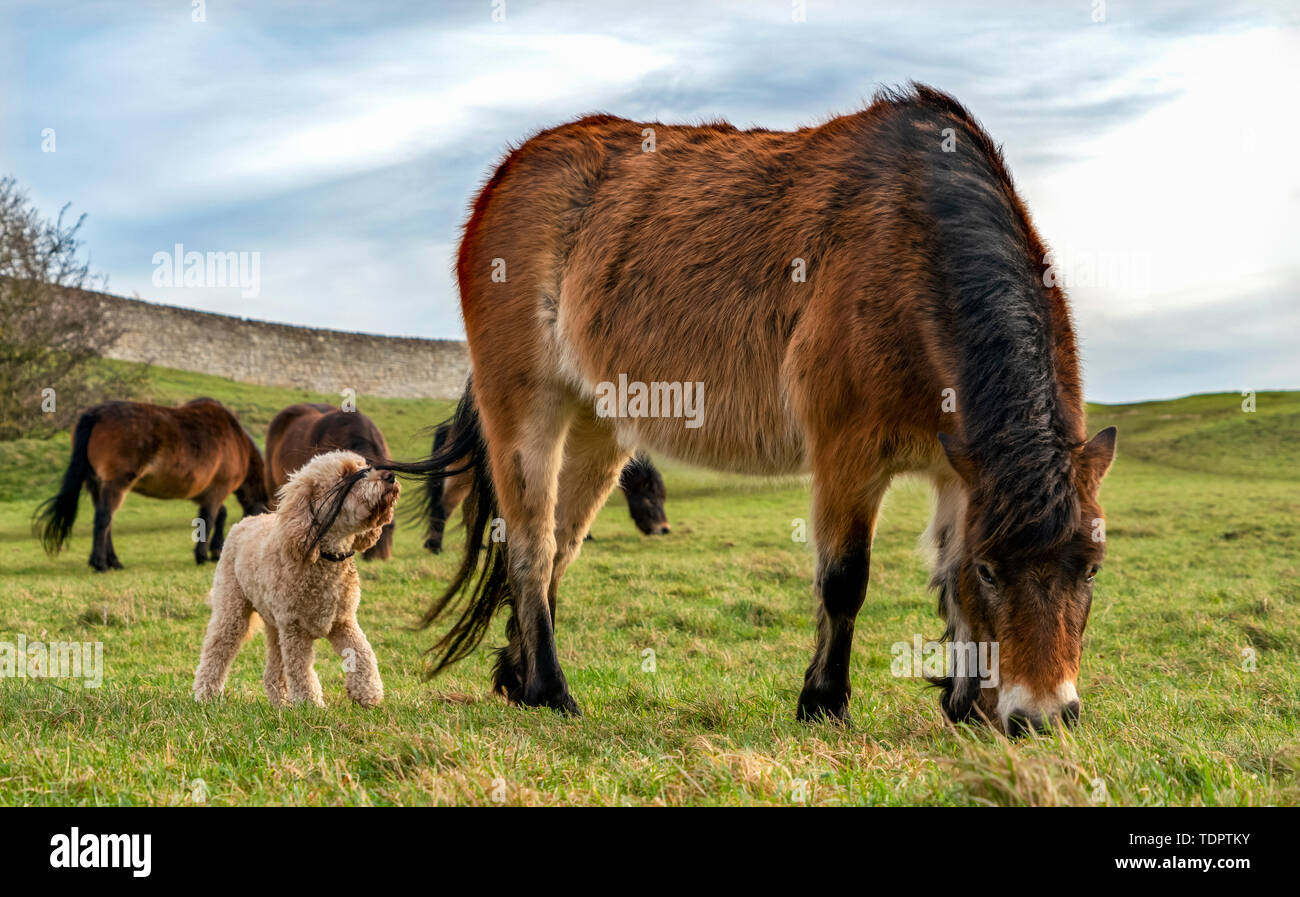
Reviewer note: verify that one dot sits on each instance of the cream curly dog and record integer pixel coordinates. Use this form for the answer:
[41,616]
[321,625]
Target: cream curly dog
[295,569]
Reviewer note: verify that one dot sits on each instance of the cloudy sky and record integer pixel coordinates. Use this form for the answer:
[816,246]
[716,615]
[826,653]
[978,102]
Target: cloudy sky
[343,141]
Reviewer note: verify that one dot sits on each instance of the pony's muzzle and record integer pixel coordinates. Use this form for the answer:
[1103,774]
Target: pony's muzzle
[1023,713]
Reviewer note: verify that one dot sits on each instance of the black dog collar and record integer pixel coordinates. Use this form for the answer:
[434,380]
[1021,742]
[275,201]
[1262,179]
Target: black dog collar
[336,558]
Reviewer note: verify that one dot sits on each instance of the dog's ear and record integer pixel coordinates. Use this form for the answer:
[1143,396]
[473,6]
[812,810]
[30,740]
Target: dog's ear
[294,511]
[367,538]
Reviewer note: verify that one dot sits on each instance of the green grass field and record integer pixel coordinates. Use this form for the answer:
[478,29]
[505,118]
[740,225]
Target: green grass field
[1203,576]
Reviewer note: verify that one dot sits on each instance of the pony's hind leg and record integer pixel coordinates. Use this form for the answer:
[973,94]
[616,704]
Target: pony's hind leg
[110,555]
[589,472]
[844,521]
[443,502]
[593,461]
[525,437]
[108,498]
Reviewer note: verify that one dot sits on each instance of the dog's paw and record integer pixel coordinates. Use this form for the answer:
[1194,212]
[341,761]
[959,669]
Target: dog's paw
[367,697]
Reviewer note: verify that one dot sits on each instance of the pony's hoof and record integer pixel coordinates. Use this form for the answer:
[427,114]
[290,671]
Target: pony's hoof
[817,706]
[556,699]
[98,566]
[435,547]
[115,564]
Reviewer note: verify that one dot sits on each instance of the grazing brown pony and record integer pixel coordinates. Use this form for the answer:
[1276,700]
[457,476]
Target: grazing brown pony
[198,451]
[861,298]
[641,482]
[301,432]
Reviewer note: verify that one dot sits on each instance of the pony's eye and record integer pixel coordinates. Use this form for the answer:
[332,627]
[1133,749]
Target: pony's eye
[1093,571]
[984,573]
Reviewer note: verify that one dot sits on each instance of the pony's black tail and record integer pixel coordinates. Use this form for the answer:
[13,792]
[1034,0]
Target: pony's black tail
[52,522]
[473,599]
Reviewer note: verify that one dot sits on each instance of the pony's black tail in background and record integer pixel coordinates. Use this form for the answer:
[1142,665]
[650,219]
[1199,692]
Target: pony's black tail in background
[52,522]
[474,600]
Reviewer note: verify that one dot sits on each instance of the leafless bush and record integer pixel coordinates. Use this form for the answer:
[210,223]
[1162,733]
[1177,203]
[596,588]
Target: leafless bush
[50,330]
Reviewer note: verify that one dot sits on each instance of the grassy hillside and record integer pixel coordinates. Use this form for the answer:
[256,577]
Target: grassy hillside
[33,467]
[1203,576]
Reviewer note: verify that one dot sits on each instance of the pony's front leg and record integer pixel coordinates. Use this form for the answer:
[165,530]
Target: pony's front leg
[844,523]
[218,533]
[207,516]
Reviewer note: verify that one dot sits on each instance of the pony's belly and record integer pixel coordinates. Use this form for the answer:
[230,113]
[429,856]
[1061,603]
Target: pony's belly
[717,402]
[721,442]
[156,485]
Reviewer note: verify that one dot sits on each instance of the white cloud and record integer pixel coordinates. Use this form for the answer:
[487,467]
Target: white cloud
[1202,187]
[342,143]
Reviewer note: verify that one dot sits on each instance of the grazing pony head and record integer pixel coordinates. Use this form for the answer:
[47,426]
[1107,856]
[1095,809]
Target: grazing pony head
[1017,573]
[251,493]
[335,504]
[644,487]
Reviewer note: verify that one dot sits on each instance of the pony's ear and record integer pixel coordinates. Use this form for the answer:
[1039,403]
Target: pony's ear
[1098,453]
[295,519]
[955,451]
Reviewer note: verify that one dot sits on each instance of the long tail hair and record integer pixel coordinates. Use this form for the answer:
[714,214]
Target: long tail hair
[53,519]
[473,599]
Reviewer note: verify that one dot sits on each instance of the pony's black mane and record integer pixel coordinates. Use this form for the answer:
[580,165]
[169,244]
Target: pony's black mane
[995,313]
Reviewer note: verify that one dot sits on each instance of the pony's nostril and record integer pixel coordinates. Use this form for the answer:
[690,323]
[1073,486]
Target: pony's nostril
[387,476]
[1023,722]
[1070,713]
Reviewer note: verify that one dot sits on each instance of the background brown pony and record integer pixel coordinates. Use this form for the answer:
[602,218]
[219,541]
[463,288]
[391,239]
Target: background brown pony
[641,483]
[301,432]
[861,298]
[198,451]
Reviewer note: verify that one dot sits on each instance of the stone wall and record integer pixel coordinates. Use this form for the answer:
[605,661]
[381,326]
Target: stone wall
[260,352]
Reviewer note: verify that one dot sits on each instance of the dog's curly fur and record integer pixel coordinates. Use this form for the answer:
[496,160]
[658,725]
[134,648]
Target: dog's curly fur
[273,564]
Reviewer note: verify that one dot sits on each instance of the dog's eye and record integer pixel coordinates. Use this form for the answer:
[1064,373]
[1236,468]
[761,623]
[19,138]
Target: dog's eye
[985,574]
